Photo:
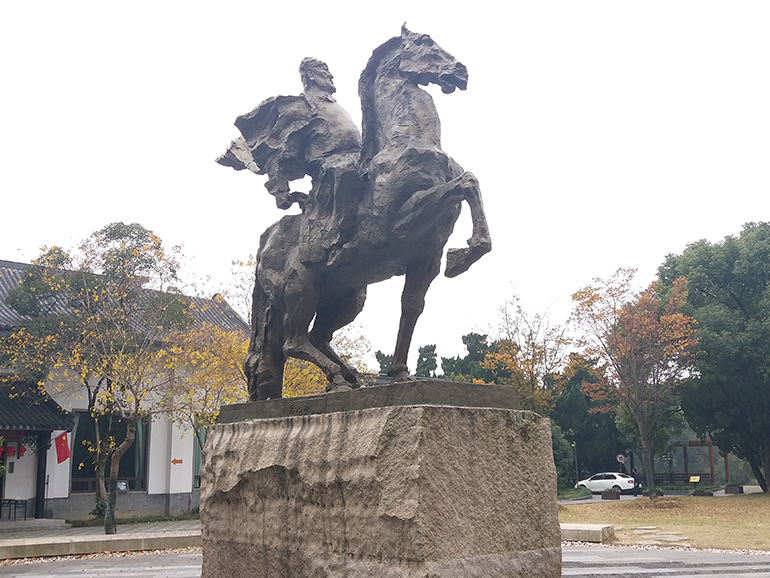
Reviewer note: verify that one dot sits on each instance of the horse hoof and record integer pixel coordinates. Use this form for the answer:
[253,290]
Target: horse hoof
[338,387]
[403,378]
[459,260]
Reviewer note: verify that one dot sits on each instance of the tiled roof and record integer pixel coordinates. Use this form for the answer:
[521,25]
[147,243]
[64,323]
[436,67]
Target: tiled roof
[10,276]
[23,407]
[215,311]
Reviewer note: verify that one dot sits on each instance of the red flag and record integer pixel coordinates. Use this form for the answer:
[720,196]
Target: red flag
[62,447]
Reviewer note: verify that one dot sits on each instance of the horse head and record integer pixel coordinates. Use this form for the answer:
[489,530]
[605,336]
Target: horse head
[425,62]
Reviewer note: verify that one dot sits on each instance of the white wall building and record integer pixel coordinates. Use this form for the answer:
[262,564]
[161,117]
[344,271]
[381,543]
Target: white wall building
[158,474]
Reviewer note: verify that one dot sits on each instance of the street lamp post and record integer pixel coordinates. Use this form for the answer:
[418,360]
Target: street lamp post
[577,475]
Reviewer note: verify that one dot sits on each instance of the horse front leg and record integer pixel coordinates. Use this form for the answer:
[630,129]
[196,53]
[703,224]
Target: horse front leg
[418,278]
[423,205]
[480,243]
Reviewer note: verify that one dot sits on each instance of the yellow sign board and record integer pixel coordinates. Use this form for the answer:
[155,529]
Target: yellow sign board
[694,479]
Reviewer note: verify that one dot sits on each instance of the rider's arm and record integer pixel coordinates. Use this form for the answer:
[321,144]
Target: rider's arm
[279,188]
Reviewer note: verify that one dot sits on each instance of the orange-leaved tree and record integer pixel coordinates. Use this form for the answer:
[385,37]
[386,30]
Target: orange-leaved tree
[529,353]
[648,346]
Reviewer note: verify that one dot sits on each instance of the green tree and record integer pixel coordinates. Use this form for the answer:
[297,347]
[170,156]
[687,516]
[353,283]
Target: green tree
[594,433]
[93,326]
[468,368]
[384,361]
[648,346]
[426,361]
[563,457]
[728,397]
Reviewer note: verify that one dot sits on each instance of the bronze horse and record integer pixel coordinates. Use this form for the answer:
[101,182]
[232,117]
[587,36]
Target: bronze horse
[409,198]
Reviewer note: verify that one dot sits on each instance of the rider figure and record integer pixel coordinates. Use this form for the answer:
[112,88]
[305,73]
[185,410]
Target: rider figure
[289,137]
[329,149]
[333,147]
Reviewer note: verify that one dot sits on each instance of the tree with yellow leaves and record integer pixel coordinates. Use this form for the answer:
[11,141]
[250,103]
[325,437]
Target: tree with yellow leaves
[208,364]
[527,354]
[535,350]
[93,325]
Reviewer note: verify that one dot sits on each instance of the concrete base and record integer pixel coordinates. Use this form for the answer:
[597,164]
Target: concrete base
[599,533]
[402,491]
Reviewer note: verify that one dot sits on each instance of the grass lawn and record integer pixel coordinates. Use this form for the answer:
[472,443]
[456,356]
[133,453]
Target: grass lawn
[741,521]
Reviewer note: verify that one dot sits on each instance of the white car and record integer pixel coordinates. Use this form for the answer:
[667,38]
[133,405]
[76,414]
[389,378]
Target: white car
[608,481]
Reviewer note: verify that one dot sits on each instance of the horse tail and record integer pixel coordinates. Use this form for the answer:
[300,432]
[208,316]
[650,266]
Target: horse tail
[265,359]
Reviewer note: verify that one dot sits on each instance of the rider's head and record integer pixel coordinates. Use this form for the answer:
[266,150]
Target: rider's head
[316,76]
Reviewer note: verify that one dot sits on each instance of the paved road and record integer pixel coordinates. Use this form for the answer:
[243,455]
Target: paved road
[155,565]
[583,562]
[661,563]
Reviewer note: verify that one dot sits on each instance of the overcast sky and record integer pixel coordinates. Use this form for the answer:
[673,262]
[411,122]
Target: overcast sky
[604,134]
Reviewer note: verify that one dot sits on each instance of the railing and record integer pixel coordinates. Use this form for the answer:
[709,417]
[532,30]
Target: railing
[13,506]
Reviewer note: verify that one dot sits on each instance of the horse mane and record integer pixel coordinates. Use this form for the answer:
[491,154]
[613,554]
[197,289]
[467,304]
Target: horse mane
[366,93]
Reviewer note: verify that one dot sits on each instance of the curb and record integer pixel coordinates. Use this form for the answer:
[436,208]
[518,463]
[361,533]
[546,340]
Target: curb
[42,547]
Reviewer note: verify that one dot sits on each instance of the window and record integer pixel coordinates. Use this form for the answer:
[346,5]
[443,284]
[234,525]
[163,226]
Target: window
[198,458]
[133,464]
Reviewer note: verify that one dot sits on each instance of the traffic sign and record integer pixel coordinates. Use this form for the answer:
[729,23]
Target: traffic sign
[621,458]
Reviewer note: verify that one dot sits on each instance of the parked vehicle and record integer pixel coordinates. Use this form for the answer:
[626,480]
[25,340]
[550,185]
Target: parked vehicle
[608,481]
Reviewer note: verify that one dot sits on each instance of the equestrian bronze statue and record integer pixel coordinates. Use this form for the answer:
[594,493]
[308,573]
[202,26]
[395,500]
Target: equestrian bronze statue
[381,204]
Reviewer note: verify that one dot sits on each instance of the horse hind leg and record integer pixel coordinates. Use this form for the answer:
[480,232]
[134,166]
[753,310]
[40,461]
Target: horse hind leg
[301,298]
[300,347]
[331,317]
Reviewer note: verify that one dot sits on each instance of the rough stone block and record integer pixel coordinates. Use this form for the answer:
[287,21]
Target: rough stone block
[405,491]
[599,533]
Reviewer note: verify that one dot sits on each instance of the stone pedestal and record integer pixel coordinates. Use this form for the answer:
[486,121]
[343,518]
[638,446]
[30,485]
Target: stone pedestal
[406,481]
